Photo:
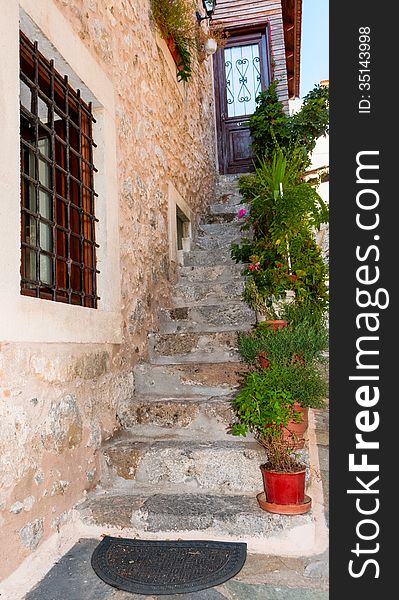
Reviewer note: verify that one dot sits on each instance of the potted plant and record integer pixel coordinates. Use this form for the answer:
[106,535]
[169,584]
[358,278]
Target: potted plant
[266,411]
[283,263]
[267,306]
[177,26]
[298,352]
[305,381]
[284,477]
[298,342]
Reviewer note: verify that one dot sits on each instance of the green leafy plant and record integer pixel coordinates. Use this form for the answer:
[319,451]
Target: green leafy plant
[282,253]
[175,20]
[265,405]
[258,406]
[281,203]
[311,316]
[269,125]
[304,342]
[265,286]
[265,412]
[272,128]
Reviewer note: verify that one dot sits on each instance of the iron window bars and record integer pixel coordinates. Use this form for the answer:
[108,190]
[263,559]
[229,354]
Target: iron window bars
[58,245]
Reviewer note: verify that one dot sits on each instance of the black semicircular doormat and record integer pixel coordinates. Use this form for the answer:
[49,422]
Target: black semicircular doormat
[159,568]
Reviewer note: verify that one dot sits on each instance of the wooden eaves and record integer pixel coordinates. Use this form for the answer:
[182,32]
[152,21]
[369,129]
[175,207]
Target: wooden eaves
[292,19]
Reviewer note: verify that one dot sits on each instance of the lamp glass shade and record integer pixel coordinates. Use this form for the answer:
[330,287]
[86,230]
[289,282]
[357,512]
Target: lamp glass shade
[210,46]
[209,6]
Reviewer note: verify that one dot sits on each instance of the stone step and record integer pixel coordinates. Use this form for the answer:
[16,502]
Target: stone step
[214,317]
[224,213]
[178,348]
[215,274]
[232,199]
[200,516]
[187,380]
[217,230]
[207,292]
[227,185]
[208,258]
[157,417]
[218,238]
[224,466]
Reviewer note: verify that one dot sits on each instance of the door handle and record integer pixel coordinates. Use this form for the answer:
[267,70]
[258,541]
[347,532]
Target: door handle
[242,123]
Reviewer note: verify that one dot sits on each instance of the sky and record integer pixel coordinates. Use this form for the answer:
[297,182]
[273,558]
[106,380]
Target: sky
[314,50]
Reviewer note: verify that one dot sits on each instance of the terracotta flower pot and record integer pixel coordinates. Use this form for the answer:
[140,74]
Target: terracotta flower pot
[263,360]
[175,53]
[294,432]
[274,324]
[297,359]
[284,488]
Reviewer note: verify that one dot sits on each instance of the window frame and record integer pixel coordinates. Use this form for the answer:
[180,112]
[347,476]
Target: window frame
[23,318]
[62,266]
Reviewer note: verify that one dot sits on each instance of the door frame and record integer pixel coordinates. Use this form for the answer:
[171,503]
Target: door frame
[251,33]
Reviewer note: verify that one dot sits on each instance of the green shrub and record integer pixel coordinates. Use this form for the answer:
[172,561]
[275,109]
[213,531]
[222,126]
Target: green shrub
[272,128]
[259,407]
[312,315]
[304,342]
[306,384]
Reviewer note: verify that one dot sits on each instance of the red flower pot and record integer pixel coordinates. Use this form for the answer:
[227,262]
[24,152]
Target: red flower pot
[284,488]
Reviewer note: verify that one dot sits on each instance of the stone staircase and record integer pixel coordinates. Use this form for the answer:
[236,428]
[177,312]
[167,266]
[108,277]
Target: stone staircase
[174,471]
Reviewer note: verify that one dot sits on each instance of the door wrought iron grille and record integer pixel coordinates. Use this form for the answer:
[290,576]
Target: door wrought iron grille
[243,79]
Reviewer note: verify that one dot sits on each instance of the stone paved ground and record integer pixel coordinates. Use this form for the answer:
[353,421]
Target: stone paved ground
[262,577]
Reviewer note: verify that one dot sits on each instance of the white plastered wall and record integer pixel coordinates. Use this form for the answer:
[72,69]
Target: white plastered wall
[26,319]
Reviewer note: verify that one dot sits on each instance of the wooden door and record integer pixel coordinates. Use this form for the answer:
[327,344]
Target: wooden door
[242,69]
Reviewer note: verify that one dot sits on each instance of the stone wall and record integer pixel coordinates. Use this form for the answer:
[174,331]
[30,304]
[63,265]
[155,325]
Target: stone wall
[58,402]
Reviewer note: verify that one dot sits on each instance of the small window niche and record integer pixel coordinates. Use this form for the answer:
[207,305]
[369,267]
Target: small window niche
[182,231]
[180,218]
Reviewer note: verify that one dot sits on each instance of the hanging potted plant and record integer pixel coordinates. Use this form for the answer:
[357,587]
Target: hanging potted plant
[266,411]
[177,25]
[209,40]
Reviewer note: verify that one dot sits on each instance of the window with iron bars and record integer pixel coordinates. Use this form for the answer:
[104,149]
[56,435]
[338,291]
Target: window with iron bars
[58,244]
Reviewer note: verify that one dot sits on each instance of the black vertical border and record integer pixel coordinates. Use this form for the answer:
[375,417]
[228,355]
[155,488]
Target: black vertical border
[350,133]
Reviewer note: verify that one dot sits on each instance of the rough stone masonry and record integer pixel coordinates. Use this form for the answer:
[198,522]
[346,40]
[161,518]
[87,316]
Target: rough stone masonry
[58,402]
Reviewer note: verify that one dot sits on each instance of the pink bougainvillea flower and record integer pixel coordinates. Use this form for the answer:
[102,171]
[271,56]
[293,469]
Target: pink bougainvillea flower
[252,267]
[242,213]
[257,265]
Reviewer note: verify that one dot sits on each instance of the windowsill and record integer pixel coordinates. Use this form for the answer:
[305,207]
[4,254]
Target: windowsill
[36,320]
